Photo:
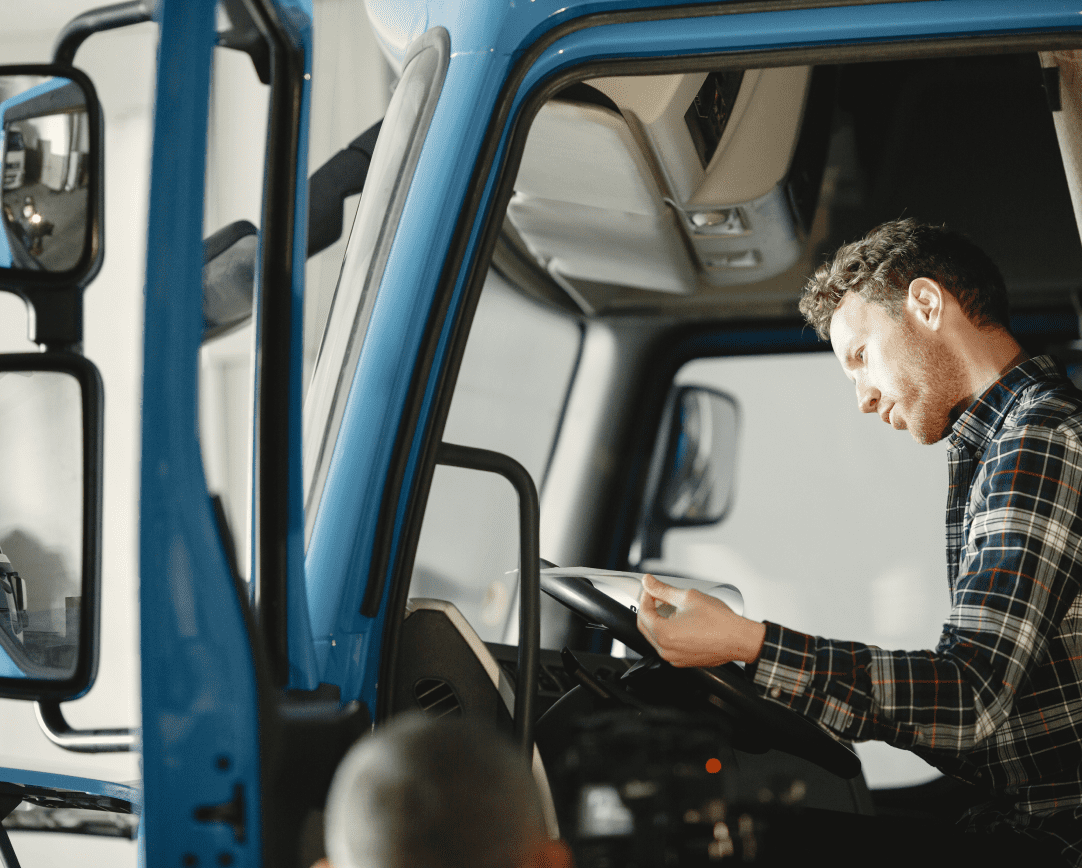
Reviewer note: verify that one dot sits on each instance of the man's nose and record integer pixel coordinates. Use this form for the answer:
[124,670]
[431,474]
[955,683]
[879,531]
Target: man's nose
[867,398]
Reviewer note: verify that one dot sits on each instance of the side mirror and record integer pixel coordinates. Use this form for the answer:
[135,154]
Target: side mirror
[51,194]
[692,475]
[229,257]
[50,524]
[697,476]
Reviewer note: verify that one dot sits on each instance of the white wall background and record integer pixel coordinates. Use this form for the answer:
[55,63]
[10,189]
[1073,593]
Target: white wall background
[470,537]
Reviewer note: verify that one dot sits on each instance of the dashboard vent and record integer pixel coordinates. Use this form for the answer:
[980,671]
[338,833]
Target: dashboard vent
[435,697]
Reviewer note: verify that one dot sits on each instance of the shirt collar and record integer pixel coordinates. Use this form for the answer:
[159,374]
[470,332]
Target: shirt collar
[983,418]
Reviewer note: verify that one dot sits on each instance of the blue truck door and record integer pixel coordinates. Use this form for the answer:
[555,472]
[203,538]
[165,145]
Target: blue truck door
[209,684]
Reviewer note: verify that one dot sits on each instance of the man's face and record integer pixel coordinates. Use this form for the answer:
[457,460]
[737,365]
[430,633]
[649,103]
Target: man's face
[900,371]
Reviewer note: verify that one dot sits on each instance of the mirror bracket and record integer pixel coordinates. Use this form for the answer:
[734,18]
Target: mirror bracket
[57,317]
[245,35]
[57,729]
[8,859]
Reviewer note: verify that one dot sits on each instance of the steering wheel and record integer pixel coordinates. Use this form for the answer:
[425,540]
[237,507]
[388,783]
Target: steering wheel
[780,727]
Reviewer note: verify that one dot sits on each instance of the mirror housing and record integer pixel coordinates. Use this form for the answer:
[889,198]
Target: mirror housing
[50,524]
[51,201]
[692,475]
[229,257]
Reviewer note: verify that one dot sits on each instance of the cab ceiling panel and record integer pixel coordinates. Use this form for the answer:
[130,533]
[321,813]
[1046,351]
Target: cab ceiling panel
[669,184]
[587,205]
[720,193]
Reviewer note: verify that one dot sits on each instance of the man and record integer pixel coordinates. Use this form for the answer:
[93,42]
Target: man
[917,317]
[437,794]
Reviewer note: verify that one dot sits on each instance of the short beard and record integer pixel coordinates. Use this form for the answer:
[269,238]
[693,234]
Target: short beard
[938,387]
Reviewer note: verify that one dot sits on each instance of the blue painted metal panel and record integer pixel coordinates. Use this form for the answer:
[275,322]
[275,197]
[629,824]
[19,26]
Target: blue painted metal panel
[200,723]
[8,667]
[486,39]
[339,647]
[339,555]
[509,27]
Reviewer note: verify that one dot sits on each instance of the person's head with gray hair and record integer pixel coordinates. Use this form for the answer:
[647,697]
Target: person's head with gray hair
[420,793]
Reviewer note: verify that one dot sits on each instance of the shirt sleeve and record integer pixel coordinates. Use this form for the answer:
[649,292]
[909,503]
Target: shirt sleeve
[1018,574]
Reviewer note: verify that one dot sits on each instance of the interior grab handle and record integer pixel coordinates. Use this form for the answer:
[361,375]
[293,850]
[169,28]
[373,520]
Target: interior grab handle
[529,643]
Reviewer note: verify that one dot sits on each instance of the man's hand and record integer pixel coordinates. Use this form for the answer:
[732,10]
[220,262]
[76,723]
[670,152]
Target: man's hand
[702,631]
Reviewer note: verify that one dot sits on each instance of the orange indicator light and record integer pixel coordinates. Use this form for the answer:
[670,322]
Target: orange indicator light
[713,765]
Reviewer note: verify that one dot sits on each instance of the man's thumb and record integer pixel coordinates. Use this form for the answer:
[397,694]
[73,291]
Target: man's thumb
[659,590]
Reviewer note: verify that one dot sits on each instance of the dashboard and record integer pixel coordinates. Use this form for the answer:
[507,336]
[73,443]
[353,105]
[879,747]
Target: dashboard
[444,669]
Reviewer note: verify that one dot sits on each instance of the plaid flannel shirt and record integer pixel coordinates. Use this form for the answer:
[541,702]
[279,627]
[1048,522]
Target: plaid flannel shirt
[999,701]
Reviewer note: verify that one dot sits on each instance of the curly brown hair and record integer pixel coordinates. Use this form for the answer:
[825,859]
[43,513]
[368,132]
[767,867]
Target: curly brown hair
[880,267]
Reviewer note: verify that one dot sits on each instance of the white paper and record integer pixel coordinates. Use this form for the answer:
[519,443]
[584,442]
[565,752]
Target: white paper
[626,588]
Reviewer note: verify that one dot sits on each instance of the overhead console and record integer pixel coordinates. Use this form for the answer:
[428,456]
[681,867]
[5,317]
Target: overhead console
[674,183]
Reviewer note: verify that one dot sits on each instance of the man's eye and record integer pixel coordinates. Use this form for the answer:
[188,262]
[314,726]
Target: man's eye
[860,356]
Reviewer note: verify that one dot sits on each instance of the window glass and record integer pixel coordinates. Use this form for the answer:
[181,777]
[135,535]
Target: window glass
[386,185]
[836,526]
[510,396]
[236,145]
[351,86]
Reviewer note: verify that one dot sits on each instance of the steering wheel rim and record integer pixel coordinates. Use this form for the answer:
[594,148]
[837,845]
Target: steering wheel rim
[785,728]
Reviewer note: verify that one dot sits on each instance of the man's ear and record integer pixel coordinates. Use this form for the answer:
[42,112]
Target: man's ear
[927,301]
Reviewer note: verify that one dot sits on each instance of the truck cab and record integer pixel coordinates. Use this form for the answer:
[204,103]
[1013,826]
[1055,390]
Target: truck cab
[404,419]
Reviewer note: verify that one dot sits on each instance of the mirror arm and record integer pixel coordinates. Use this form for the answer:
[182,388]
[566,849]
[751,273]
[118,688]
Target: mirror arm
[96,21]
[8,859]
[342,175]
[244,34]
[59,732]
[58,317]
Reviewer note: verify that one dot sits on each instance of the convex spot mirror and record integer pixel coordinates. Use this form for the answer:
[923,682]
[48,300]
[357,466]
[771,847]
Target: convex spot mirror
[50,524]
[50,198]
